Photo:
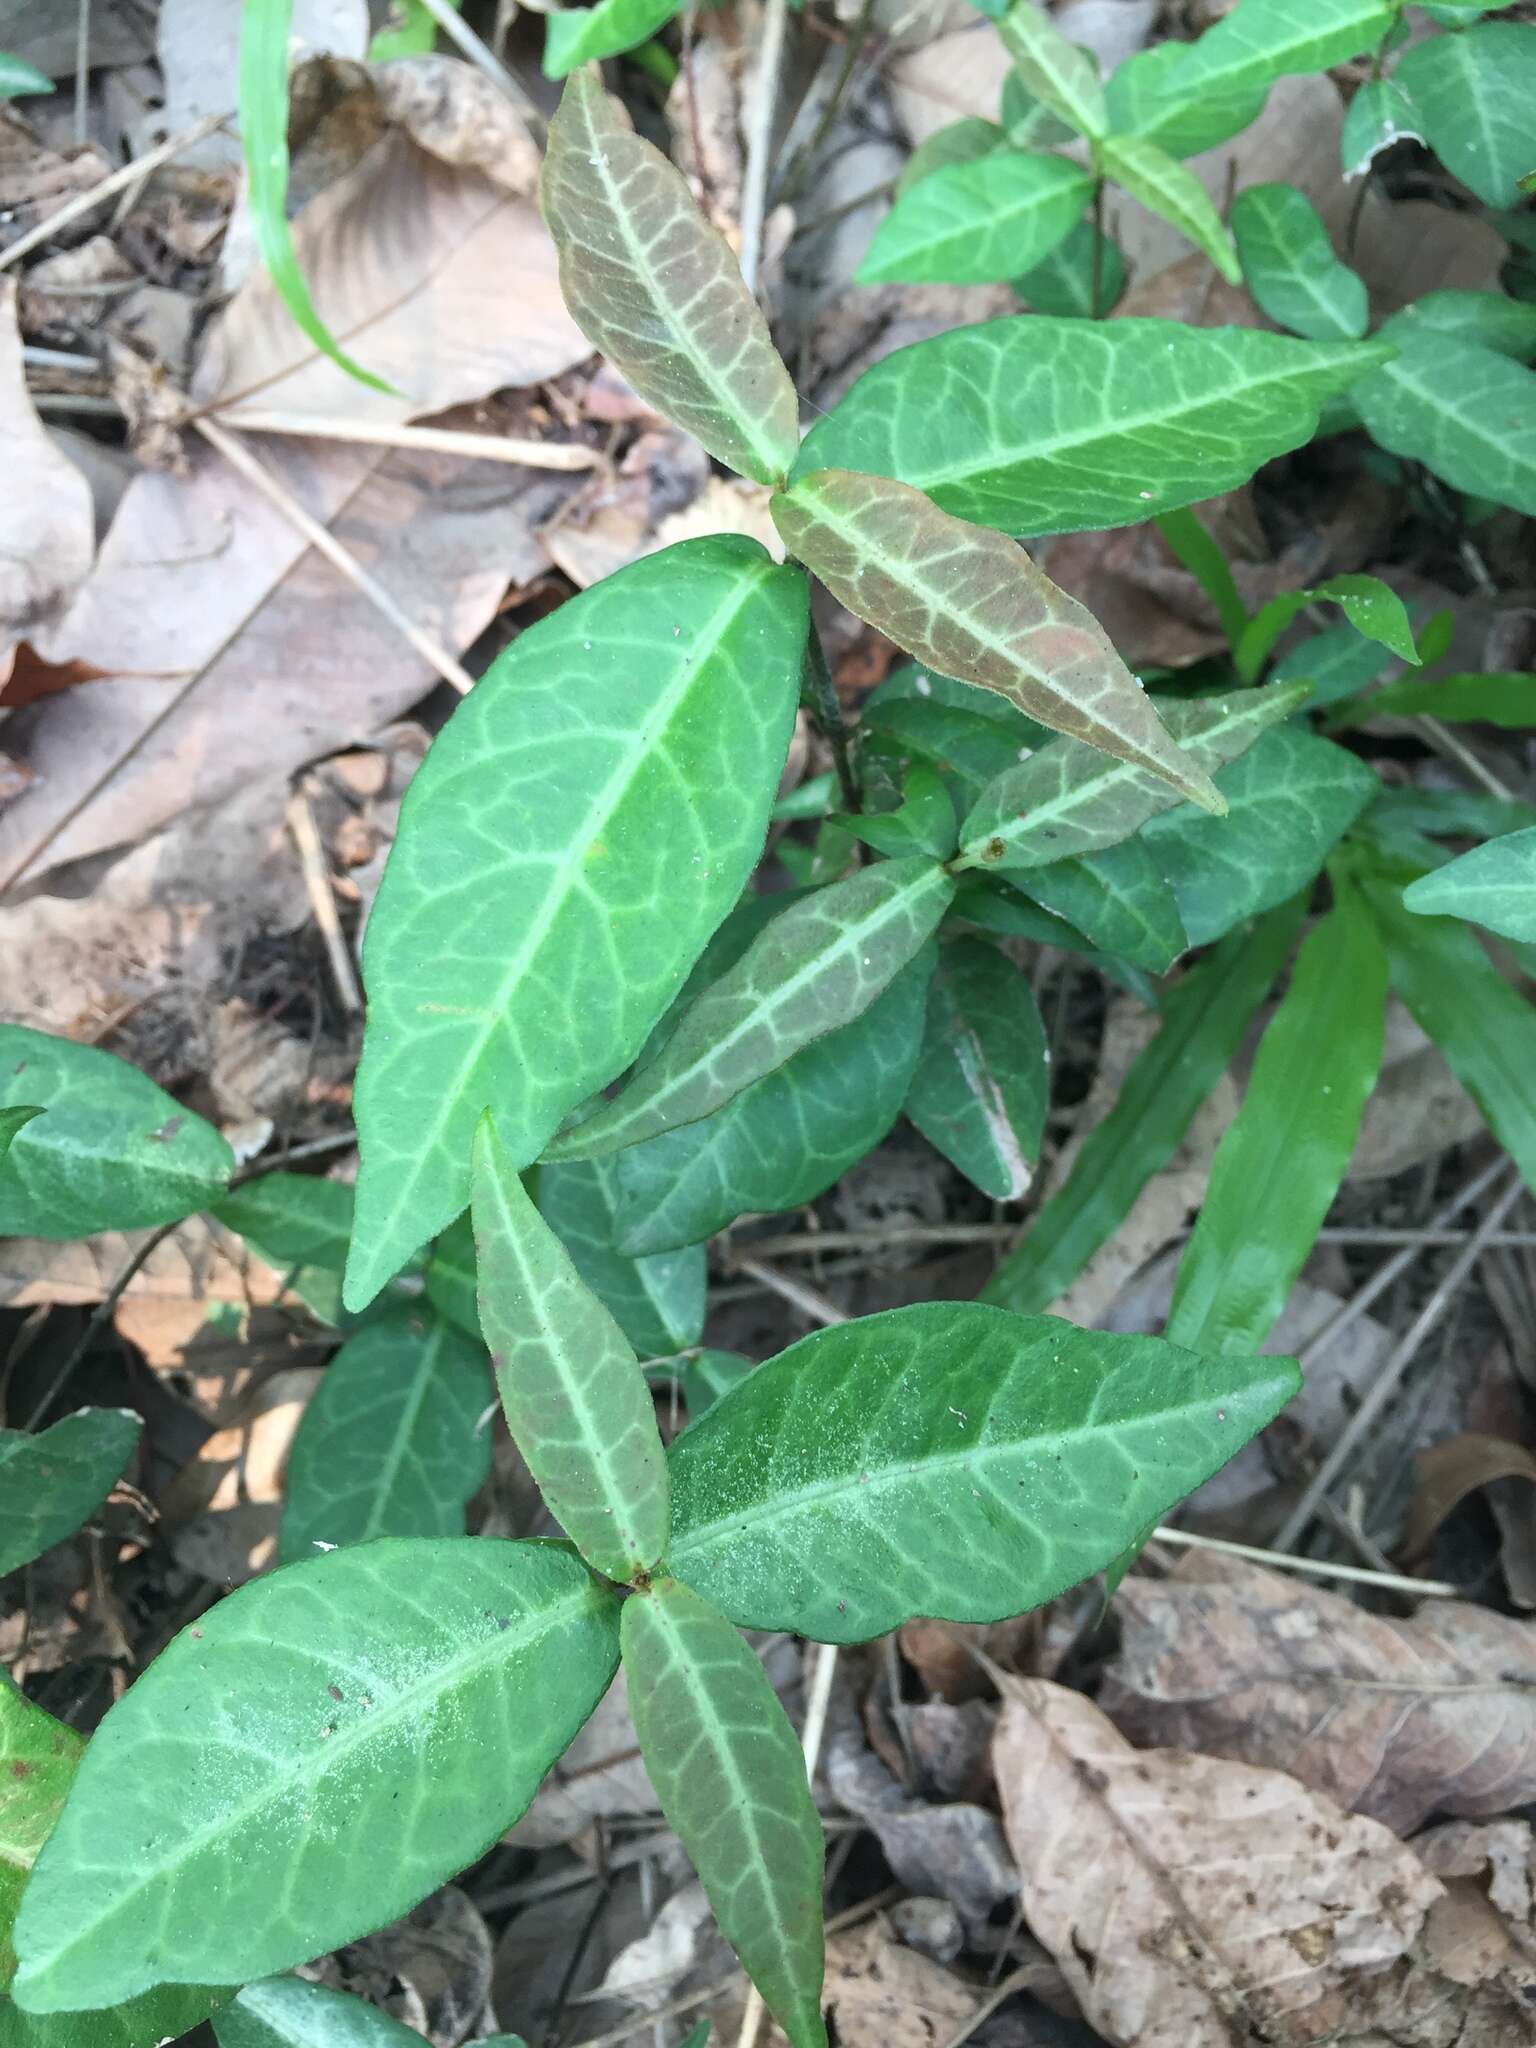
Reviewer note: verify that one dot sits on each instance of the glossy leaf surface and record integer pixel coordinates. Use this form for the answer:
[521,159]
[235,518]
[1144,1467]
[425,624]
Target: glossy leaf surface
[1290,267]
[1493,885]
[656,287]
[817,966]
[1119,899]
[728,1773]
[393,1442]
[288,2012]
[231,1773]
[982,1081]
[1380,114]
[1474,94]
[1141,103]
[1068,799]
[1204,1019]
[948,1460]
[1057,426]
[1062,77]
[581,825]
[580,35]
[1161,183]
[575,1399]
[1262,40]
[1065,282]
[977,223]
[50,1482]
[1280,1162]
[113,1152]
[971,603]
[1464,411]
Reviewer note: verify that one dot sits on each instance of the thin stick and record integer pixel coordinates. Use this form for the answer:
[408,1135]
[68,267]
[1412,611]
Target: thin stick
[83,202]
[82,68]
[1016,1980]
[480,55]
[804,1298]
[98,1316]
[322,899]
[754,197]
[1317,1568]
[431,440]
[325,542]
[805,157]
[1445,742]
[1384,1386]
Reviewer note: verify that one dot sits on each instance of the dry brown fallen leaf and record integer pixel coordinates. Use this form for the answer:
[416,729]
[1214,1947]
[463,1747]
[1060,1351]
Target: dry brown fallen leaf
[879,1994]
[1417,1110]
[1395,1719]
[47,530]
[1448,1473]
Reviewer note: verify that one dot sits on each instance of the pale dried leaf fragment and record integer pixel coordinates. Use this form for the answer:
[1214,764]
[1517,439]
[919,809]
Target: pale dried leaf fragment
[47,531]
[969,602]
[658,290]
[1191,1902]
[1396,1719]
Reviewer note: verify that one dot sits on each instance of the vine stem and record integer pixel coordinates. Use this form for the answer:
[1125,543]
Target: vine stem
[828,713]
[754,198]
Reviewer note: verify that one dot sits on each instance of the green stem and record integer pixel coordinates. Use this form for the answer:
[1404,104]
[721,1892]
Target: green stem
[821,697]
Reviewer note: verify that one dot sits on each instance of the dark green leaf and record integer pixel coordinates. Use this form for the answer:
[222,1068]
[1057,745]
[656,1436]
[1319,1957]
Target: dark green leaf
[1064,282]
[231,1773]
[1375,611]
[970,603]
[924,822]
[1464,411]
[1335,664]
[51,1482]
[1290,266]
[578,35]
[1143,100]
[658,1302]
[1120,899]
[576,1401]
[656,287]
[1161,182]
[288,2012]
[582,824]
[982,1081]
[1450,813]
[1204,1019]
[977,223]
[1056,72]
[728,1773]
[1507,699]
[1380,114]
[393,1442]
[994,906]
[301,1226]
[711,1375]
[949,1460]
[1474,93]
[1491,319]
[962,142]
[816,967]
[1065,426]
[958,727]
[1200,553]
[1281,1160]
[114,1151]
[1493,885]
[1262,40]
[17,77]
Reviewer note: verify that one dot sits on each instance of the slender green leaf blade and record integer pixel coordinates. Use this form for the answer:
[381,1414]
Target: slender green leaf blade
[114,1152]
[288,2012]
[1119,899]
[728,1773]
[971,603]
[1493,885]
[1204,1019]
[1262,40]
[393,1442]
[1281,1160]
[1054,426]
[962,142]
[1160,182]
[656,287]
[1058,74]
[982,1082]
[657,1301]
[581,35]
[264,32]
[1082,278]
[1506,699]
[1374,610]
[576,1401]
[939,1460]
[1141,103]
[1068,799]
[232,1774]
[977,223]
[1291,798]
[1380,114]
[817,966]
[50,1483]
[1200,553]
[1474,94]
[582,824]
[1464,411]
[1290,267]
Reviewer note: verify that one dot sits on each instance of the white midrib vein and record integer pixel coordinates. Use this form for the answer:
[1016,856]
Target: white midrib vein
[389,1464]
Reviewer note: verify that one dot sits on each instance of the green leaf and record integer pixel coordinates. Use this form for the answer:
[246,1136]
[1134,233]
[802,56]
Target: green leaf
[710,1376]
[301,1226]
[1262,40]
[657,1301]
[1290,266]
[1380,114]
[994,906]
[50,1483]
[1144,100]
[962,142]
[1491,319]
[416,36]
[1119,898]
[1464,411]
[1199,552]
[1334,664]
[17,76]
[11,1121]
[960,728]
[1493,885]
[817,966]
[729,1776]
[1291,797]
[265,26]
[1028,123]
[949,1460]
[785,1139]
[1057,73]
[982,1082]
[393,1442]
[1374,610]
[114,1151]
[924,822]
[813,798]
[1204,1019]
[656,287]
[1459,13]
[1159,181]
[578,35]
[288,2012]
[1068,799]
[576,1401]
[1063,282]
[1066,426]
[1450,813]
[581,825]
[977,223]
[971,603]
[232,1774]
[1506,699]
[1474,93]
[1280,1162]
